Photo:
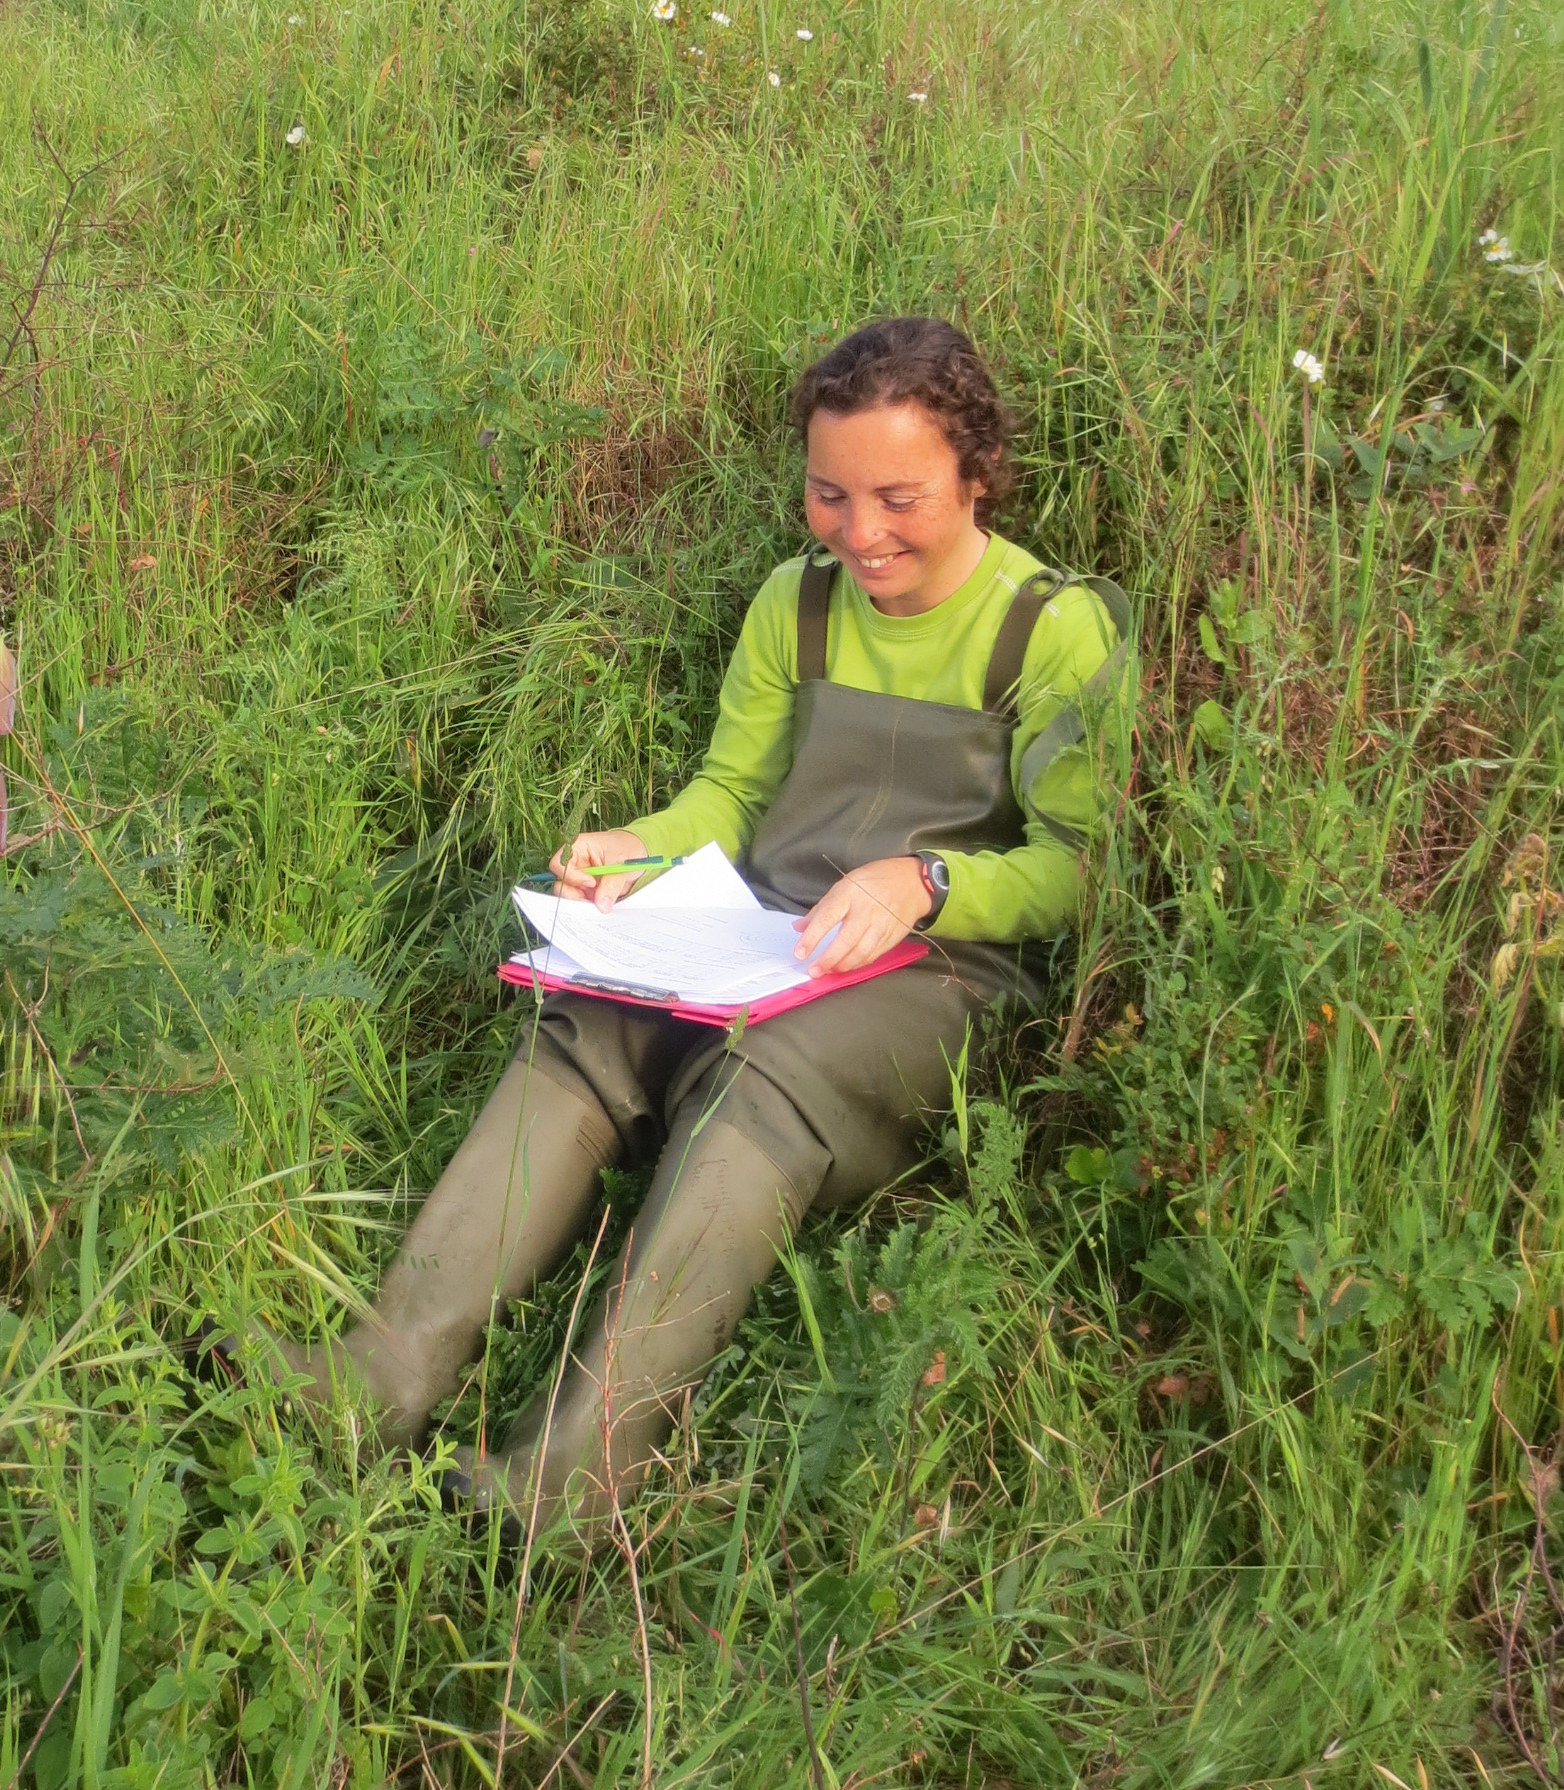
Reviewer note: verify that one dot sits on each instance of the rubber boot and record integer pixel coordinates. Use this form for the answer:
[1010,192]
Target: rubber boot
[513,1200]
[719,1209]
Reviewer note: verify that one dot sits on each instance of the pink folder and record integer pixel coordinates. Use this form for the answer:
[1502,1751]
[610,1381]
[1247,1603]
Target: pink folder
[898,957]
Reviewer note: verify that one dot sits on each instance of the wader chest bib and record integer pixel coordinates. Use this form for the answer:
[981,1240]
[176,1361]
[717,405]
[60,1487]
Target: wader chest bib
[877,776]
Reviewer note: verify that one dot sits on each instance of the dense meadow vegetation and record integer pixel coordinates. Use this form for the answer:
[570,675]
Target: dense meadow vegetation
[390,438]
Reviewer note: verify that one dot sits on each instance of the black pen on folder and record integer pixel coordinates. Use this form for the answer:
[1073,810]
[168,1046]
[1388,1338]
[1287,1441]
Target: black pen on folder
[665,995]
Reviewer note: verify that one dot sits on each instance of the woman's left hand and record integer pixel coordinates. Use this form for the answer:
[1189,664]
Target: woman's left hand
[878,905]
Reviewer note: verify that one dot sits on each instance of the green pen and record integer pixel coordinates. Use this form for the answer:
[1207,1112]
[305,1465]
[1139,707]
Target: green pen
[629,865]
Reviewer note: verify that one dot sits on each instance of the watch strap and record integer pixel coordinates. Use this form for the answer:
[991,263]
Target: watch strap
[938,887]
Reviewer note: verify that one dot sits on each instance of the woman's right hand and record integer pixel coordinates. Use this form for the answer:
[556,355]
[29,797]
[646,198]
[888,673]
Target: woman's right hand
[612,847]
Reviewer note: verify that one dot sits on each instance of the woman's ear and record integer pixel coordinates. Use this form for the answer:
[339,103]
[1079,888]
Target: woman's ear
[979,487]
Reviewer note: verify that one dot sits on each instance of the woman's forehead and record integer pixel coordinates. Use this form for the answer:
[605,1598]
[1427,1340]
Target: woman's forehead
[889,444]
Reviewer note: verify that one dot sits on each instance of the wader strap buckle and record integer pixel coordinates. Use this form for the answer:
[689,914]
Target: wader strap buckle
[814,606]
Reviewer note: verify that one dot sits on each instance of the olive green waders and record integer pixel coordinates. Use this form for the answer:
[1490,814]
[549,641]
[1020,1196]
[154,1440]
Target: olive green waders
[824,1103]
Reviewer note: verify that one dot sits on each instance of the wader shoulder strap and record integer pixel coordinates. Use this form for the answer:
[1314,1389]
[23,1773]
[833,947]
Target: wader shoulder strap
[1115,602]
[814,606]
[1002,682]
[1068,727]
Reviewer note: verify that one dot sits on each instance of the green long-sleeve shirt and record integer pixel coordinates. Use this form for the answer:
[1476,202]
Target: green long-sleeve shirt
[939,656]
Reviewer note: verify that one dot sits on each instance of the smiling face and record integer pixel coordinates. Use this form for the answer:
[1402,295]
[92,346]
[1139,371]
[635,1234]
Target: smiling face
[884,493]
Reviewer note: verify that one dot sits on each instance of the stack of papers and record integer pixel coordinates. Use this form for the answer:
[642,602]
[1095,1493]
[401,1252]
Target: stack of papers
[695,936]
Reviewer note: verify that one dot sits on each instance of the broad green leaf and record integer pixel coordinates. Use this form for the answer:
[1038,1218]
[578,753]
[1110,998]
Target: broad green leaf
[1211,726]
[1088,1167]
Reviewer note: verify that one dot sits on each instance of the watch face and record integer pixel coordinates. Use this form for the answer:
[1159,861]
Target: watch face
[939,872]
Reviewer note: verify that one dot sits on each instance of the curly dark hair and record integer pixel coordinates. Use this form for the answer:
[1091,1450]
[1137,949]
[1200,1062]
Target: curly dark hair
[920,360]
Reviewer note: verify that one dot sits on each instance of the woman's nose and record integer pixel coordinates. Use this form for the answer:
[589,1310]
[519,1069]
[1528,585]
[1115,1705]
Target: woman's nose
[861,531]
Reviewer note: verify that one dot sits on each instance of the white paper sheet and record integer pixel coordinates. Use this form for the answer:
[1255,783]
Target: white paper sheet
[704,879]
[706,940]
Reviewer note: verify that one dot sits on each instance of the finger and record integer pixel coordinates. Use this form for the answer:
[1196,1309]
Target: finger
[873,944]
[836,954]
[814,926]
[573,874]
[880,931]
[610,889]
[850,957]
[831,907]
[831,959]
[559,865]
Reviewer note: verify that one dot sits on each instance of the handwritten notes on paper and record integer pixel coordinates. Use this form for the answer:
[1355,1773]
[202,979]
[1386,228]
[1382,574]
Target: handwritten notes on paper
[696,934]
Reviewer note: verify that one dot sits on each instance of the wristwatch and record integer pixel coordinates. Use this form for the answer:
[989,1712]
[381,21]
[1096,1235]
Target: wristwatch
[936,879]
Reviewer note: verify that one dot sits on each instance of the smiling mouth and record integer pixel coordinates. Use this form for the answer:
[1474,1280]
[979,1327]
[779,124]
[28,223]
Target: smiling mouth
[878,562]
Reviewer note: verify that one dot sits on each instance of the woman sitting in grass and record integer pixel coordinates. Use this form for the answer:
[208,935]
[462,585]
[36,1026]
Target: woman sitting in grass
[906,743]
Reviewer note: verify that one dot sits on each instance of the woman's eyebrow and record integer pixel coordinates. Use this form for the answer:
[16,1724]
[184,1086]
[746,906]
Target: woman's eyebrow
[814,478]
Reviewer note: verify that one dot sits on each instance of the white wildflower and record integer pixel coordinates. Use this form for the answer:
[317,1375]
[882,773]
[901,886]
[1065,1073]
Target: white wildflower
[664,10]
[773,77]
[1308,366]
[297,137]
[295,18]
[1496,248]
[918,98]
[1438,404]
[804,35]
[695,50]
[722,19]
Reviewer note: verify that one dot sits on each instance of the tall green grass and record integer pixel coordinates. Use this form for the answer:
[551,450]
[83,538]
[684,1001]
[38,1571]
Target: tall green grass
[376,510]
